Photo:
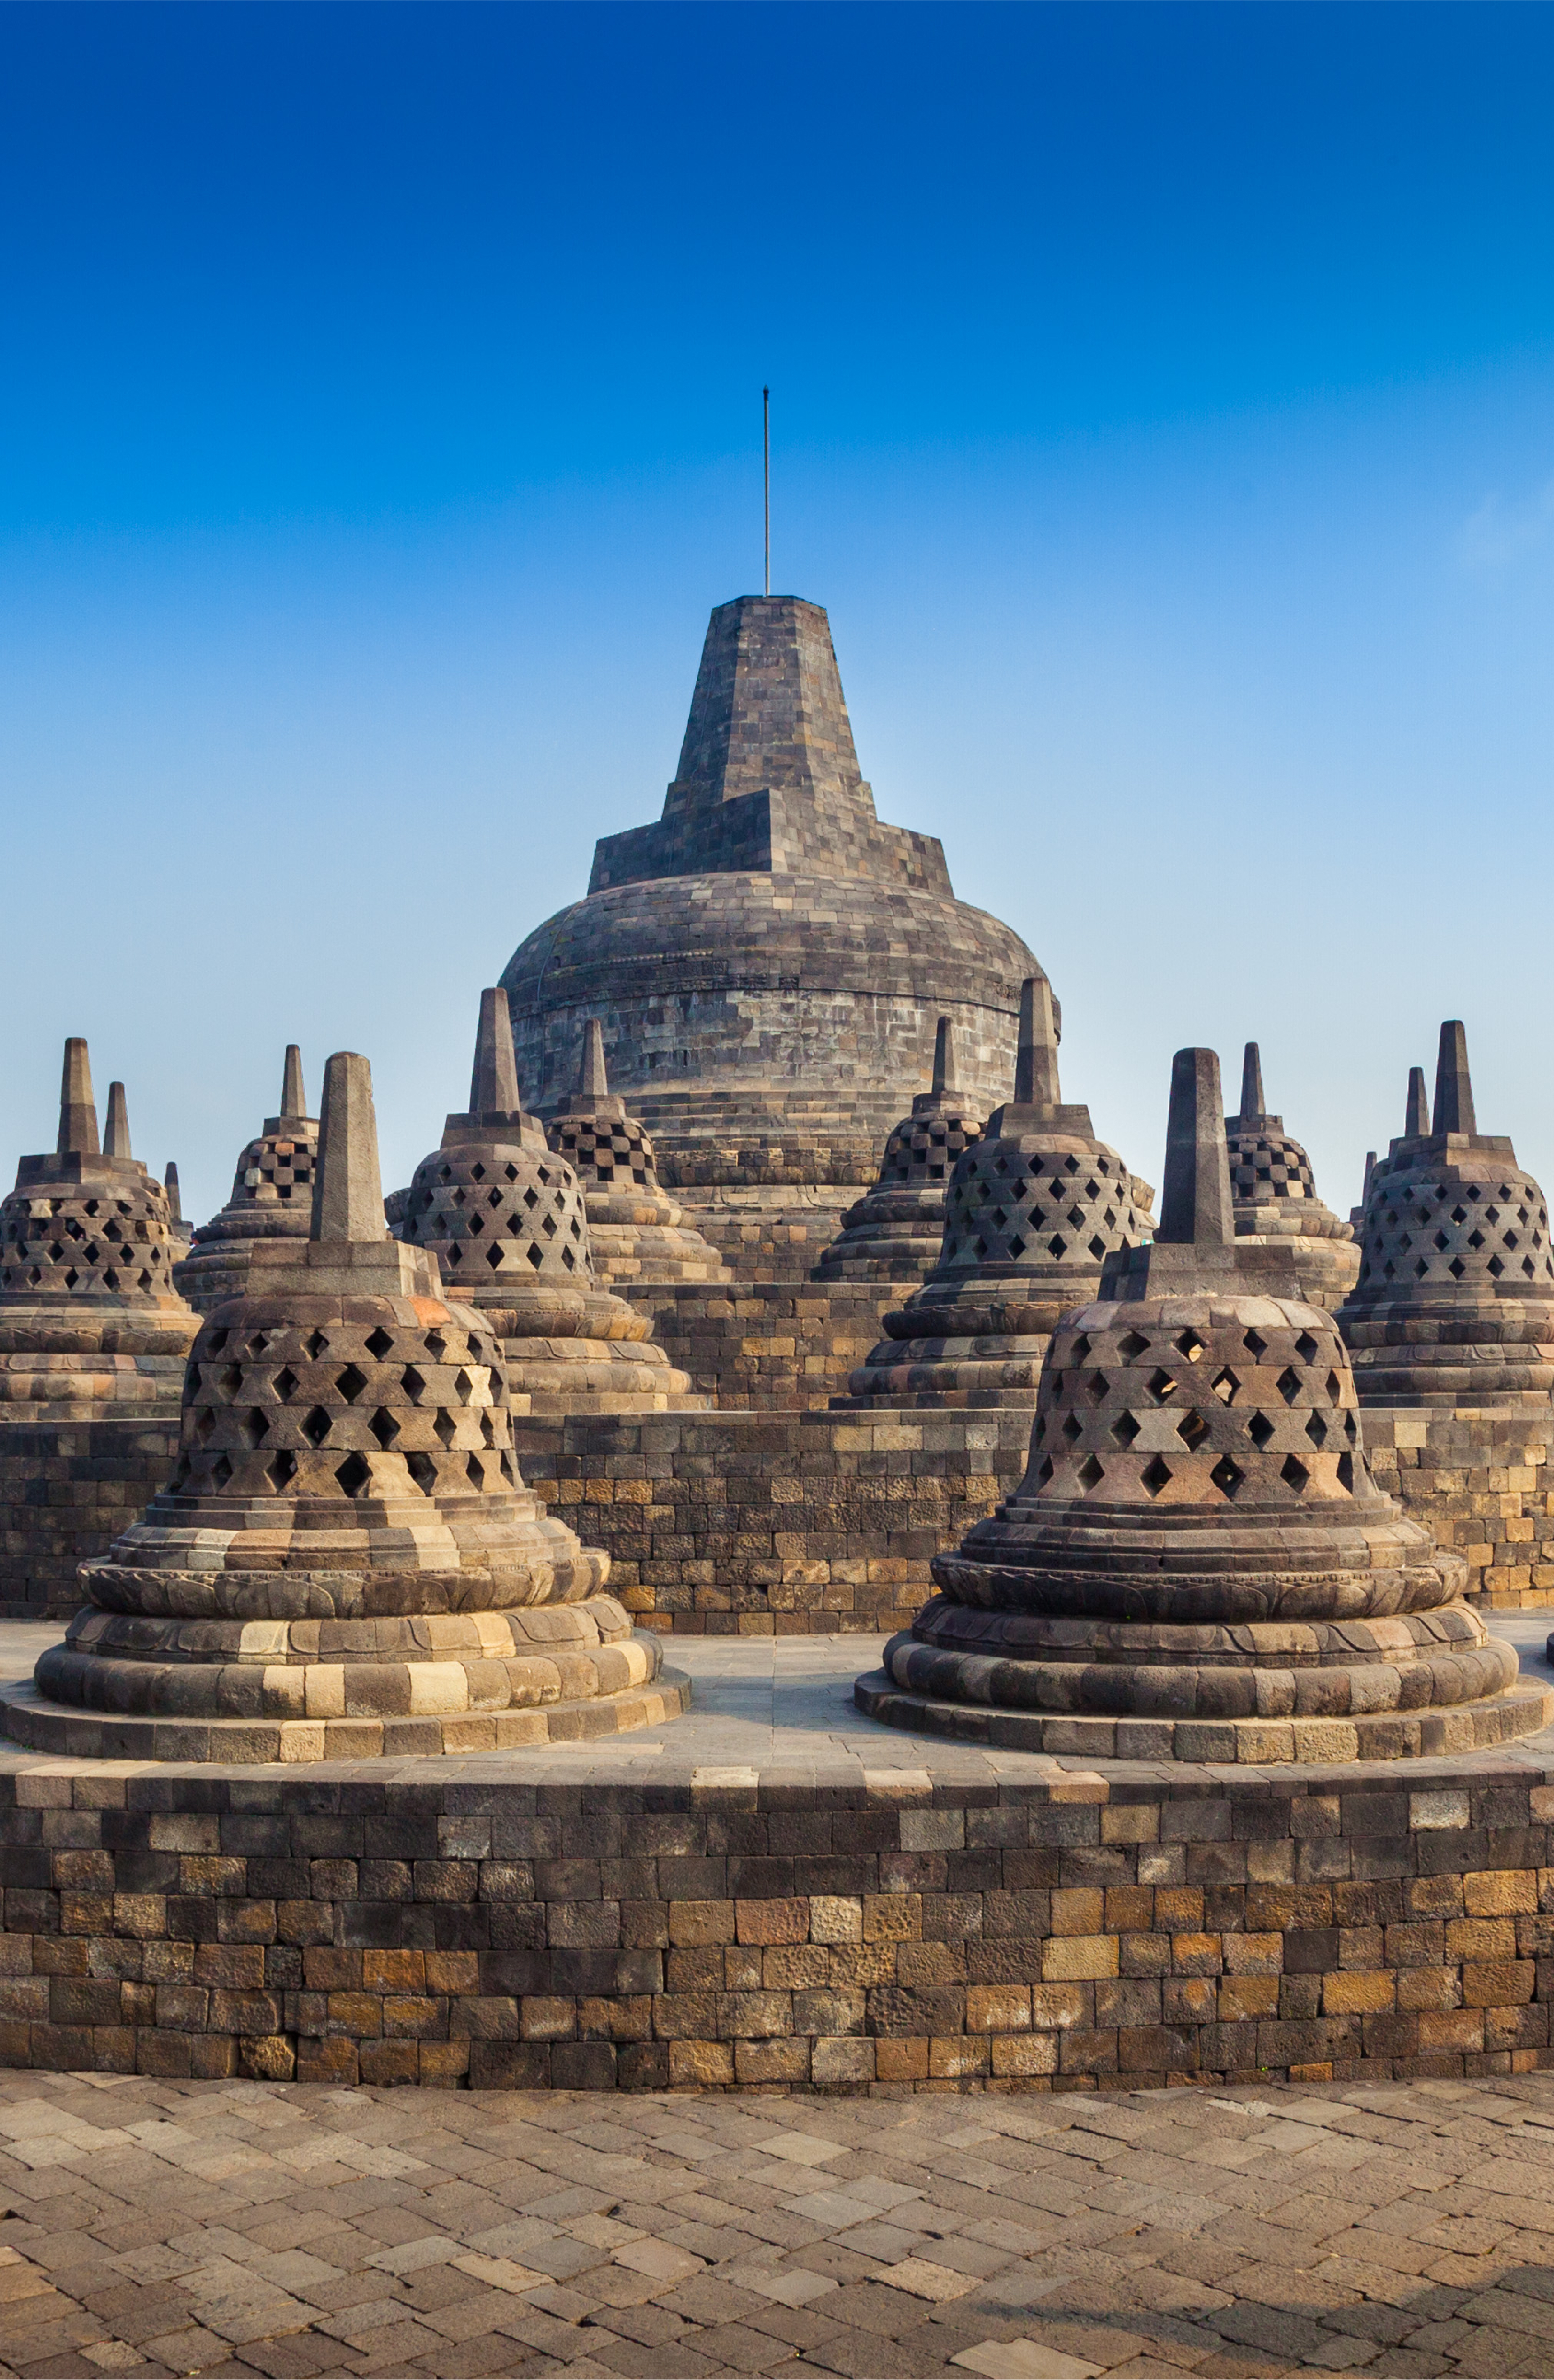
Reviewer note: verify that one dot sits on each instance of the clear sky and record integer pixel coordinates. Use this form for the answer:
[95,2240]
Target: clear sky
[1163,407]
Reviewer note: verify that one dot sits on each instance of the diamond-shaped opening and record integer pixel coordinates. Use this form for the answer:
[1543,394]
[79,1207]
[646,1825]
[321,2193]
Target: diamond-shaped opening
[1307,1348]
[1442,1239]
[254,1428]
[444,1426]
[281,1469]
[1124,1430]
[314,1345]
[464,1387]
[384,1428]
[1476,1239]
[1289,1384]
[1077,1219]
[1256,1347]
[1080,1348]
[1057,1247]
[1043,1469]
[230,1380]
[1316,1430]
[476,1470]
[494,1256]
[1096,1387]
[436,1345]
[355,1474]
[493,1198]
[1227,1476]
[351,1382]
[204,1423]
[1191,1430]
[1420,1269]
[380,1346]
[1189,1344]
[1225,1385]
[1259,1429]
[1459,1214]
[1156,1476]
[477,1173]
[1161,1385]
[257,1343]
[1090,1474]
[488,1425]
[1073,1428]
[1132,1344]
[1456,1268]
[285,1381]
[1346,1474]
[221,1471]
[423,1471]
[1496,1267]
[315,1429]
[1295,1474]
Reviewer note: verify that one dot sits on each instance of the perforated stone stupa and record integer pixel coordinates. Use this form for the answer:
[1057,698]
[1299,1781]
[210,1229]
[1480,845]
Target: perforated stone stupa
[635,1231]
[91,1325]
[768,961]
[1454,1304]
[346,1562]
[1034,1207]
[272,1197]
[1274,1195]
[895,1234]
[1198,1563]
[506,1218]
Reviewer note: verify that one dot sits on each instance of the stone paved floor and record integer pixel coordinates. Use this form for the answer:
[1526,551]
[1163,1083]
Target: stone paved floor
[244,2228]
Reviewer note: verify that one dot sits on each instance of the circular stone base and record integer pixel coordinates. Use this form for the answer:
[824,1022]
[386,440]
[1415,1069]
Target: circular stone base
[1389,1735]
[239,1742]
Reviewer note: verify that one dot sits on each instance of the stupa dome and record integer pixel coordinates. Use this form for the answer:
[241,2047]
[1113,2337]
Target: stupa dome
[635,1231]
[1274,1195]
[1455,1303]
[895,1233]
[272,1197]
[768,961]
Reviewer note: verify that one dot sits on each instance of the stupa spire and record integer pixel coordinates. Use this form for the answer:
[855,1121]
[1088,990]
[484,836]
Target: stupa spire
[943,1059]
[294,1098]
[1252,1082]
[170,1183]
[493,1086]
[348,1191]
[592,1081]
[1454,1083]
[77,1109]
[116,1134]
[1196,1201]
[1416,1109]
[1036,1062]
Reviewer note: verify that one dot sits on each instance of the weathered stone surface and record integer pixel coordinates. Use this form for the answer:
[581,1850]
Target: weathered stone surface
[895,1234]
[1454,1304]
[1197,1540]
[769,962]
[506,1218]
[1273,1194]
[271,1198]
[1034,1205]
[346,1557]
[636,1232]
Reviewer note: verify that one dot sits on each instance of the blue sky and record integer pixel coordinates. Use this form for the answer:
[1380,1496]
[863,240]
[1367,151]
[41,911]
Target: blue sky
[1162,409]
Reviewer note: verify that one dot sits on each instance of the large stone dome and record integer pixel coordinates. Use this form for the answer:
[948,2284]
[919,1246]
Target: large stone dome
[767,960]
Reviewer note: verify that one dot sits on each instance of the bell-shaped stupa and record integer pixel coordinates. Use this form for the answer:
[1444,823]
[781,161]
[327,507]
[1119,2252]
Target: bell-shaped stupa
[346,1562]
[92,1327]
[508,1220]
[272,1197]
[895,1233]
[1454,1304]
[1033,1208]
[1197,1564]
[635,1231]
[1274,1195]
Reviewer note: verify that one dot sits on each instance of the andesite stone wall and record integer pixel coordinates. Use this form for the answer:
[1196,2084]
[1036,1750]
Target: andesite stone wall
[1480,1481]
[66,1491]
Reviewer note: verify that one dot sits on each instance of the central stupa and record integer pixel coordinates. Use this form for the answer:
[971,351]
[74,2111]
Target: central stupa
[768,961]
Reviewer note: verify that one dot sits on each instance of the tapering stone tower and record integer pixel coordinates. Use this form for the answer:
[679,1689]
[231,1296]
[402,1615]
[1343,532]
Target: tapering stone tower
[506,1218]
[346,1562]
[1275,1196]
[92,1341]
[1454,1304]
[1034,1207]
[895,1234]
[768,961]
[179,1229]
[272,1197]
[635,1231]
[1197,1564]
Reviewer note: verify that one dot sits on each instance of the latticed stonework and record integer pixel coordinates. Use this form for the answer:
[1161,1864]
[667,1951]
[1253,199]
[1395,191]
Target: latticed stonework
[497,1212]
[1198,1563]
[271,1198]
[895,1232]
[635,1231]
[1454,1304]
[106,1232]
[346,1560]
[1273,1193]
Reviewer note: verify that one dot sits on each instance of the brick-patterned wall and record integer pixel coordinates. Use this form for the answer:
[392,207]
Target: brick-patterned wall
[1071,1935]
[66,1489]
[1479,1482]
[776,1235]
[763,1523]
[767,1346]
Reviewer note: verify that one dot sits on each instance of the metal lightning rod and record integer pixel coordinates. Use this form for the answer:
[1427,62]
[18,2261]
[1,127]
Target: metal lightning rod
[766,448]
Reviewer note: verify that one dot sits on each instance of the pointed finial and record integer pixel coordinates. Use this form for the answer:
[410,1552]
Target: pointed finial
[1036,1065]
[1195,1202]
[1416,1112]
[293,1099]
[1252,1082]
[1454,1083]
[592,1082]
[493,1086]
[115,1131]
[1370,1168]
[347,1187]
[944,1058]
[170,1183]
[77,1109]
